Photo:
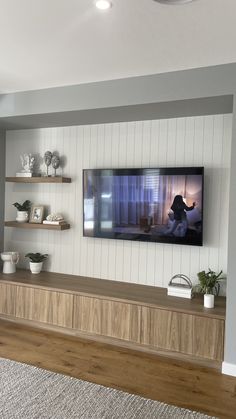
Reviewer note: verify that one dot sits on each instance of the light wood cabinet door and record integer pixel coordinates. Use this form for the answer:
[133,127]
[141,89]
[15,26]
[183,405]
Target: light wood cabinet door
[185,333]
[208,338]
[107,318]
[121,321]
[168,330]
[50,307]
[7,299]
[88,314]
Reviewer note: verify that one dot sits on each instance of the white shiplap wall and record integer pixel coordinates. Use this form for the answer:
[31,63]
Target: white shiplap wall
[193,141]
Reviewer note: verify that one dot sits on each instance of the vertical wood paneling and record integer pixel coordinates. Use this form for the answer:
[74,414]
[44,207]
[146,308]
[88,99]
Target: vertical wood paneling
[134,260]
[180,142]
[159,266]
[196,141]
[154,139]
[171,142]
[142,263]
[151,264]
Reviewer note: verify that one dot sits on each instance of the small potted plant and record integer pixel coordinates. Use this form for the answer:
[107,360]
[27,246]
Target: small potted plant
[36,261]
[209,286]
[22,215]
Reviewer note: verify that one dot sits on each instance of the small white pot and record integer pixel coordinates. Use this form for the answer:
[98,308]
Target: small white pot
[209,300]
[36,267]
[22,216]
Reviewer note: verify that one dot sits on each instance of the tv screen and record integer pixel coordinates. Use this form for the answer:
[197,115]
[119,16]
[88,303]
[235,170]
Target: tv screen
[157,205]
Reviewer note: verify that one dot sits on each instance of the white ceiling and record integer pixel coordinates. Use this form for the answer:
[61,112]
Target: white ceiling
[50,43]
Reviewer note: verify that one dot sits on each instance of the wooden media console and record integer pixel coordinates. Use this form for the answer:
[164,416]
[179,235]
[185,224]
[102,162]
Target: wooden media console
[138,316]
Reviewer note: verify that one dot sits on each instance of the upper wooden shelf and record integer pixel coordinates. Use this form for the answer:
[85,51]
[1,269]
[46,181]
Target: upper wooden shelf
[37,226]
[40,179]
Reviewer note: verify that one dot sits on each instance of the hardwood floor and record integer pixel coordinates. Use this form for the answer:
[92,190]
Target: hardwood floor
[159,378]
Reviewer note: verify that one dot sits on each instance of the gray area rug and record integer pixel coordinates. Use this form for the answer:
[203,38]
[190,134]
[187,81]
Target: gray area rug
[28,392]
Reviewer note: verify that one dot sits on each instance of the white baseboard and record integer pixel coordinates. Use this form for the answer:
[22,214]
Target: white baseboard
[229,369]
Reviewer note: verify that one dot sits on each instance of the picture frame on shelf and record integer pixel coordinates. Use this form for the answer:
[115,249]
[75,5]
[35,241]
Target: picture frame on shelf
[36,214]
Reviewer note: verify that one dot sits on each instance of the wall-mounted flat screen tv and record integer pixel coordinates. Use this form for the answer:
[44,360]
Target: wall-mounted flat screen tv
[162,205]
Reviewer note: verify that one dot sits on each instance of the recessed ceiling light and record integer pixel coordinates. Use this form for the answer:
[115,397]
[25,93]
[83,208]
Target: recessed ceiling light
[173,2]
[103,4]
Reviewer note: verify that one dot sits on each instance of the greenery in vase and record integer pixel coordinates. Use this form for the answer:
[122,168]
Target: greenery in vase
[22,207]
[36,257]
[209,282]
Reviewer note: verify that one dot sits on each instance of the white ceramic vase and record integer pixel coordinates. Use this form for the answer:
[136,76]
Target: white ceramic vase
[22,216]
[209,300]
[10,259]
[36,267]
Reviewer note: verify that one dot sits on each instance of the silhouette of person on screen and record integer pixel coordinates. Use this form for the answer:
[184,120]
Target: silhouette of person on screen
[179,209]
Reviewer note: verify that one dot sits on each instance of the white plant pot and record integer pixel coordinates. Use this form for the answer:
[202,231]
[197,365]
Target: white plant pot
[209,300]
[22,216]
[36,267]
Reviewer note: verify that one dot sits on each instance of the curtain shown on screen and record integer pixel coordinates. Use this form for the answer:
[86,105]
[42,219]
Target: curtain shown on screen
[131,199]
[134,197]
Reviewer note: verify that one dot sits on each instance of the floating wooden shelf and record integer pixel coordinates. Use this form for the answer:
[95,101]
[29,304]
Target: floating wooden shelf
[40,179]
[36,226]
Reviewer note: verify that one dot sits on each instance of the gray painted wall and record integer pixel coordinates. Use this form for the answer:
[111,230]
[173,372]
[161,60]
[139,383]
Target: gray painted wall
[180,85]
[176,86]
[230,345]
[151,111]
[2,187]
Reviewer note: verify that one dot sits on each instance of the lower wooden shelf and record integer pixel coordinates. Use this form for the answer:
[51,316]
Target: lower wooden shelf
[36,226]
[126,314]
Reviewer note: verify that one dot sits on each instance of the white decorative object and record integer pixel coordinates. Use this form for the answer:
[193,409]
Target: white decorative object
[180,289]
[55,223]
[36,267]
[54,217]
[209,300]
[55,163]
[47,159]
[10,259]
[27,162]
[24,174]
[22,216]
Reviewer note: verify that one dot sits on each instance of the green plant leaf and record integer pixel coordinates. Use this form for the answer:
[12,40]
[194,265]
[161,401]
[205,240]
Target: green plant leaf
[209,281]
[23,207]
[36,257]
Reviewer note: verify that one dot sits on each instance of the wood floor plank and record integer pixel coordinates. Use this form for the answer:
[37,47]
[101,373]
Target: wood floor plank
[159,378]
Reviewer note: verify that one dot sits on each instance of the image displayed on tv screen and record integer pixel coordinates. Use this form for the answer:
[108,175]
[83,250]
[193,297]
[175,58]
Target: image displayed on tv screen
[156,205]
